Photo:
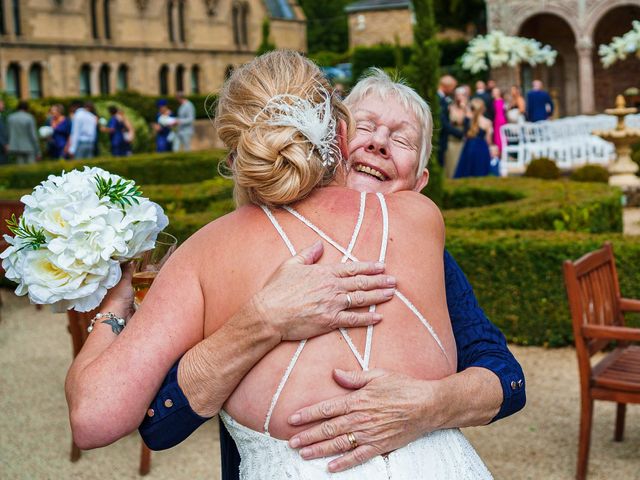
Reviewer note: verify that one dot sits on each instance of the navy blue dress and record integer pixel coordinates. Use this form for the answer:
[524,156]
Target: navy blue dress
[118,143]
[58,140]
[162,138]
[475,159]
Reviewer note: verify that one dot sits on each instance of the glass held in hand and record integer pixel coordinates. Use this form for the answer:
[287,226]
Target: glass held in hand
[147,266]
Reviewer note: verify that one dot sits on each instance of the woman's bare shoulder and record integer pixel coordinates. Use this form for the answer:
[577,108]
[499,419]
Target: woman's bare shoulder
[418,210]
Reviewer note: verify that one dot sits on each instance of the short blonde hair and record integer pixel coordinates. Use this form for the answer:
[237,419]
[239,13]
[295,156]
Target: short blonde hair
[377,83]
[273,165]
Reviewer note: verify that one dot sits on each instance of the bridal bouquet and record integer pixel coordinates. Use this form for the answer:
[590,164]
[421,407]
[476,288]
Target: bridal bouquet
[497,49]
[621,47]
[75,231]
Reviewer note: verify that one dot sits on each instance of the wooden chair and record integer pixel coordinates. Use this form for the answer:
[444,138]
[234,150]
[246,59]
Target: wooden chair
[78,323]
[597,313]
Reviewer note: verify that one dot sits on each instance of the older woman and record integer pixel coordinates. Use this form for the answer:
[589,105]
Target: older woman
[287,135]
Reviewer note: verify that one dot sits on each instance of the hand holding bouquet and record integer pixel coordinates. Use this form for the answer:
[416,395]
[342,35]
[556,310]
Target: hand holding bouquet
[75,231]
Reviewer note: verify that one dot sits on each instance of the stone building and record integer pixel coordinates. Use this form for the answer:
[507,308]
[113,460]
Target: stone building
[380,21]
[89,47]
[575,28]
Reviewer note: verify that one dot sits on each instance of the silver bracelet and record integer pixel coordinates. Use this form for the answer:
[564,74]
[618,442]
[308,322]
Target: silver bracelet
[117,323]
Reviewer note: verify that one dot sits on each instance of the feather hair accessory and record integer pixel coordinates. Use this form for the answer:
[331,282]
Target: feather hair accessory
[313,121]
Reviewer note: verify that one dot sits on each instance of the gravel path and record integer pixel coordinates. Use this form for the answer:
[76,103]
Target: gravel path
[35,352]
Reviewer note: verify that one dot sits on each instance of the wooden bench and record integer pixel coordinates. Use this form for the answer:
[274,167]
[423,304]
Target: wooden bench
[597,312]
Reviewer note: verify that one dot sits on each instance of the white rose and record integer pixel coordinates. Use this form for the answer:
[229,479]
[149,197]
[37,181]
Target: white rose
[13,261]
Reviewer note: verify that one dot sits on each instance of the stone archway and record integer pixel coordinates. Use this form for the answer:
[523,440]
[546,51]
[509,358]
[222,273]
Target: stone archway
[623,74]
[561,79]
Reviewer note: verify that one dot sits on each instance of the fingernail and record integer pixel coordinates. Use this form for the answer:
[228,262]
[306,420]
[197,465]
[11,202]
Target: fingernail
[377,317]
[391,281]
[379,265]
[295,419]
[305,452]
[388,292]
[294,442]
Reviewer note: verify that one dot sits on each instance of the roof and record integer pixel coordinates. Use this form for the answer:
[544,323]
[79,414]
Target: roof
[280,9]
[367,5]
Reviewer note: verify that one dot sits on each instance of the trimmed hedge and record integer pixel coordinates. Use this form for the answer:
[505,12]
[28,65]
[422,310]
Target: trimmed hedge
[517,277]
[544,205]
[145,169]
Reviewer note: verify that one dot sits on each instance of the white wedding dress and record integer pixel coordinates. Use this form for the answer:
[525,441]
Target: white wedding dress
[440,455]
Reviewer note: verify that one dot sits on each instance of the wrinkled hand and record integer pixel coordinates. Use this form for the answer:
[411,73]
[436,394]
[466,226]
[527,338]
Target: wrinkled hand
[302,300]
[119,299]
[386,412]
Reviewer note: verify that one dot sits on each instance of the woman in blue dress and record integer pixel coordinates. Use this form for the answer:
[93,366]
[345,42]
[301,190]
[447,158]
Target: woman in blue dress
[61,131]
[163,127]
[475,160]
[116,129]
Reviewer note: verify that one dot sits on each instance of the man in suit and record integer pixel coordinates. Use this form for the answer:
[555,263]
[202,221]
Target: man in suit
[539,103]
[485,95]
[23,139]
[184,124]
[446,87]
[4,136]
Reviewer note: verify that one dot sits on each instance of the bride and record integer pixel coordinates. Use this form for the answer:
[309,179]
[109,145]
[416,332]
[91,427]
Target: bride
[288,136]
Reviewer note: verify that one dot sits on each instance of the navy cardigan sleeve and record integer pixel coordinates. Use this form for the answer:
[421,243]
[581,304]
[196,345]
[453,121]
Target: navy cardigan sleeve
[170,418]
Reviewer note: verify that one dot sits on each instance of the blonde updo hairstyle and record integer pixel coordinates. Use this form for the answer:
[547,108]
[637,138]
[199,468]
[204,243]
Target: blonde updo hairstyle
[273,165]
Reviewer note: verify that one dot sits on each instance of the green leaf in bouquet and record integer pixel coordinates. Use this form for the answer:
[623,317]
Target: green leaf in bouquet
[34,237]
[123,192]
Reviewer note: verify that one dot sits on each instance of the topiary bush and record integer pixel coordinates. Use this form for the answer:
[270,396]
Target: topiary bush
[544,168]
[590,173]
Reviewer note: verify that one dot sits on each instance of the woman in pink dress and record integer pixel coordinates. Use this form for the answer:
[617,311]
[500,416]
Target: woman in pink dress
[499,118]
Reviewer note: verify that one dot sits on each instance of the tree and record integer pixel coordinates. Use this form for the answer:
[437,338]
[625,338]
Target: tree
[423,73]
[265,44]
[327,28]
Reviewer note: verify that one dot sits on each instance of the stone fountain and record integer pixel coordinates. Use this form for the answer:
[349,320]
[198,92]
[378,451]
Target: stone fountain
[623,170]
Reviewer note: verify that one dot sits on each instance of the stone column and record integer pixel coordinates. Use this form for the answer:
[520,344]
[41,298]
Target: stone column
[113,77]
[24,79]
[95,78]
[171,81]
[584,47]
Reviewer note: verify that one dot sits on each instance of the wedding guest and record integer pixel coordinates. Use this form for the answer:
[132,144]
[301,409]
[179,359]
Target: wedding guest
[162,126]
[84,127]
[494,163]
[499,118]
[485,95]
[184,124]
[539,103]
[491,84]
[4,136]
[96,144]
[457,113]
[475,159]
[517,106]
[61,130]
[446,87]
[23,139]
[129,132]
[116,128]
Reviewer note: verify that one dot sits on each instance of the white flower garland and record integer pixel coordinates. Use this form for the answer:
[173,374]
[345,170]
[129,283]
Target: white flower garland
[76,229]
[497,49]
[621,47]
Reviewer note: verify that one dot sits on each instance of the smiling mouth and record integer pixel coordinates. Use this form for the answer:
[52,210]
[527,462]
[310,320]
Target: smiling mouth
[377,174]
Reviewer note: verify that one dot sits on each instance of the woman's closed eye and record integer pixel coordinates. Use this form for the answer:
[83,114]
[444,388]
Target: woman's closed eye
[402,141]
[364,127]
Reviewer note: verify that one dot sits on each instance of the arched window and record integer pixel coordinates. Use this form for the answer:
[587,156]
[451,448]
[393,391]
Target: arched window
[16,18]
[93,11]
[195,79]
[170,6]
[123,78]
[181,33]
[244,20]
[3,24]
[107,19]
[180,78]
[85,80]
[105,73]
[235,22]
[163,80]
[13,80]
[35,81]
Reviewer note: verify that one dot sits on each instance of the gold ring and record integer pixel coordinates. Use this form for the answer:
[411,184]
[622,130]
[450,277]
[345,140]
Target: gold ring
[349,302]
[352,440]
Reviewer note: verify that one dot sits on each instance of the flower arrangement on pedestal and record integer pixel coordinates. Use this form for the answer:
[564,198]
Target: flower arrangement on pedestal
[497,49]
[75,230]
[621,47]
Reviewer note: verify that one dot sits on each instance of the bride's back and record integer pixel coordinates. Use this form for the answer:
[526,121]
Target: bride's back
[246,249]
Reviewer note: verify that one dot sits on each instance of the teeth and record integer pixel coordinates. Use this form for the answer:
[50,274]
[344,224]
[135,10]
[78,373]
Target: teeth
[365,169]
